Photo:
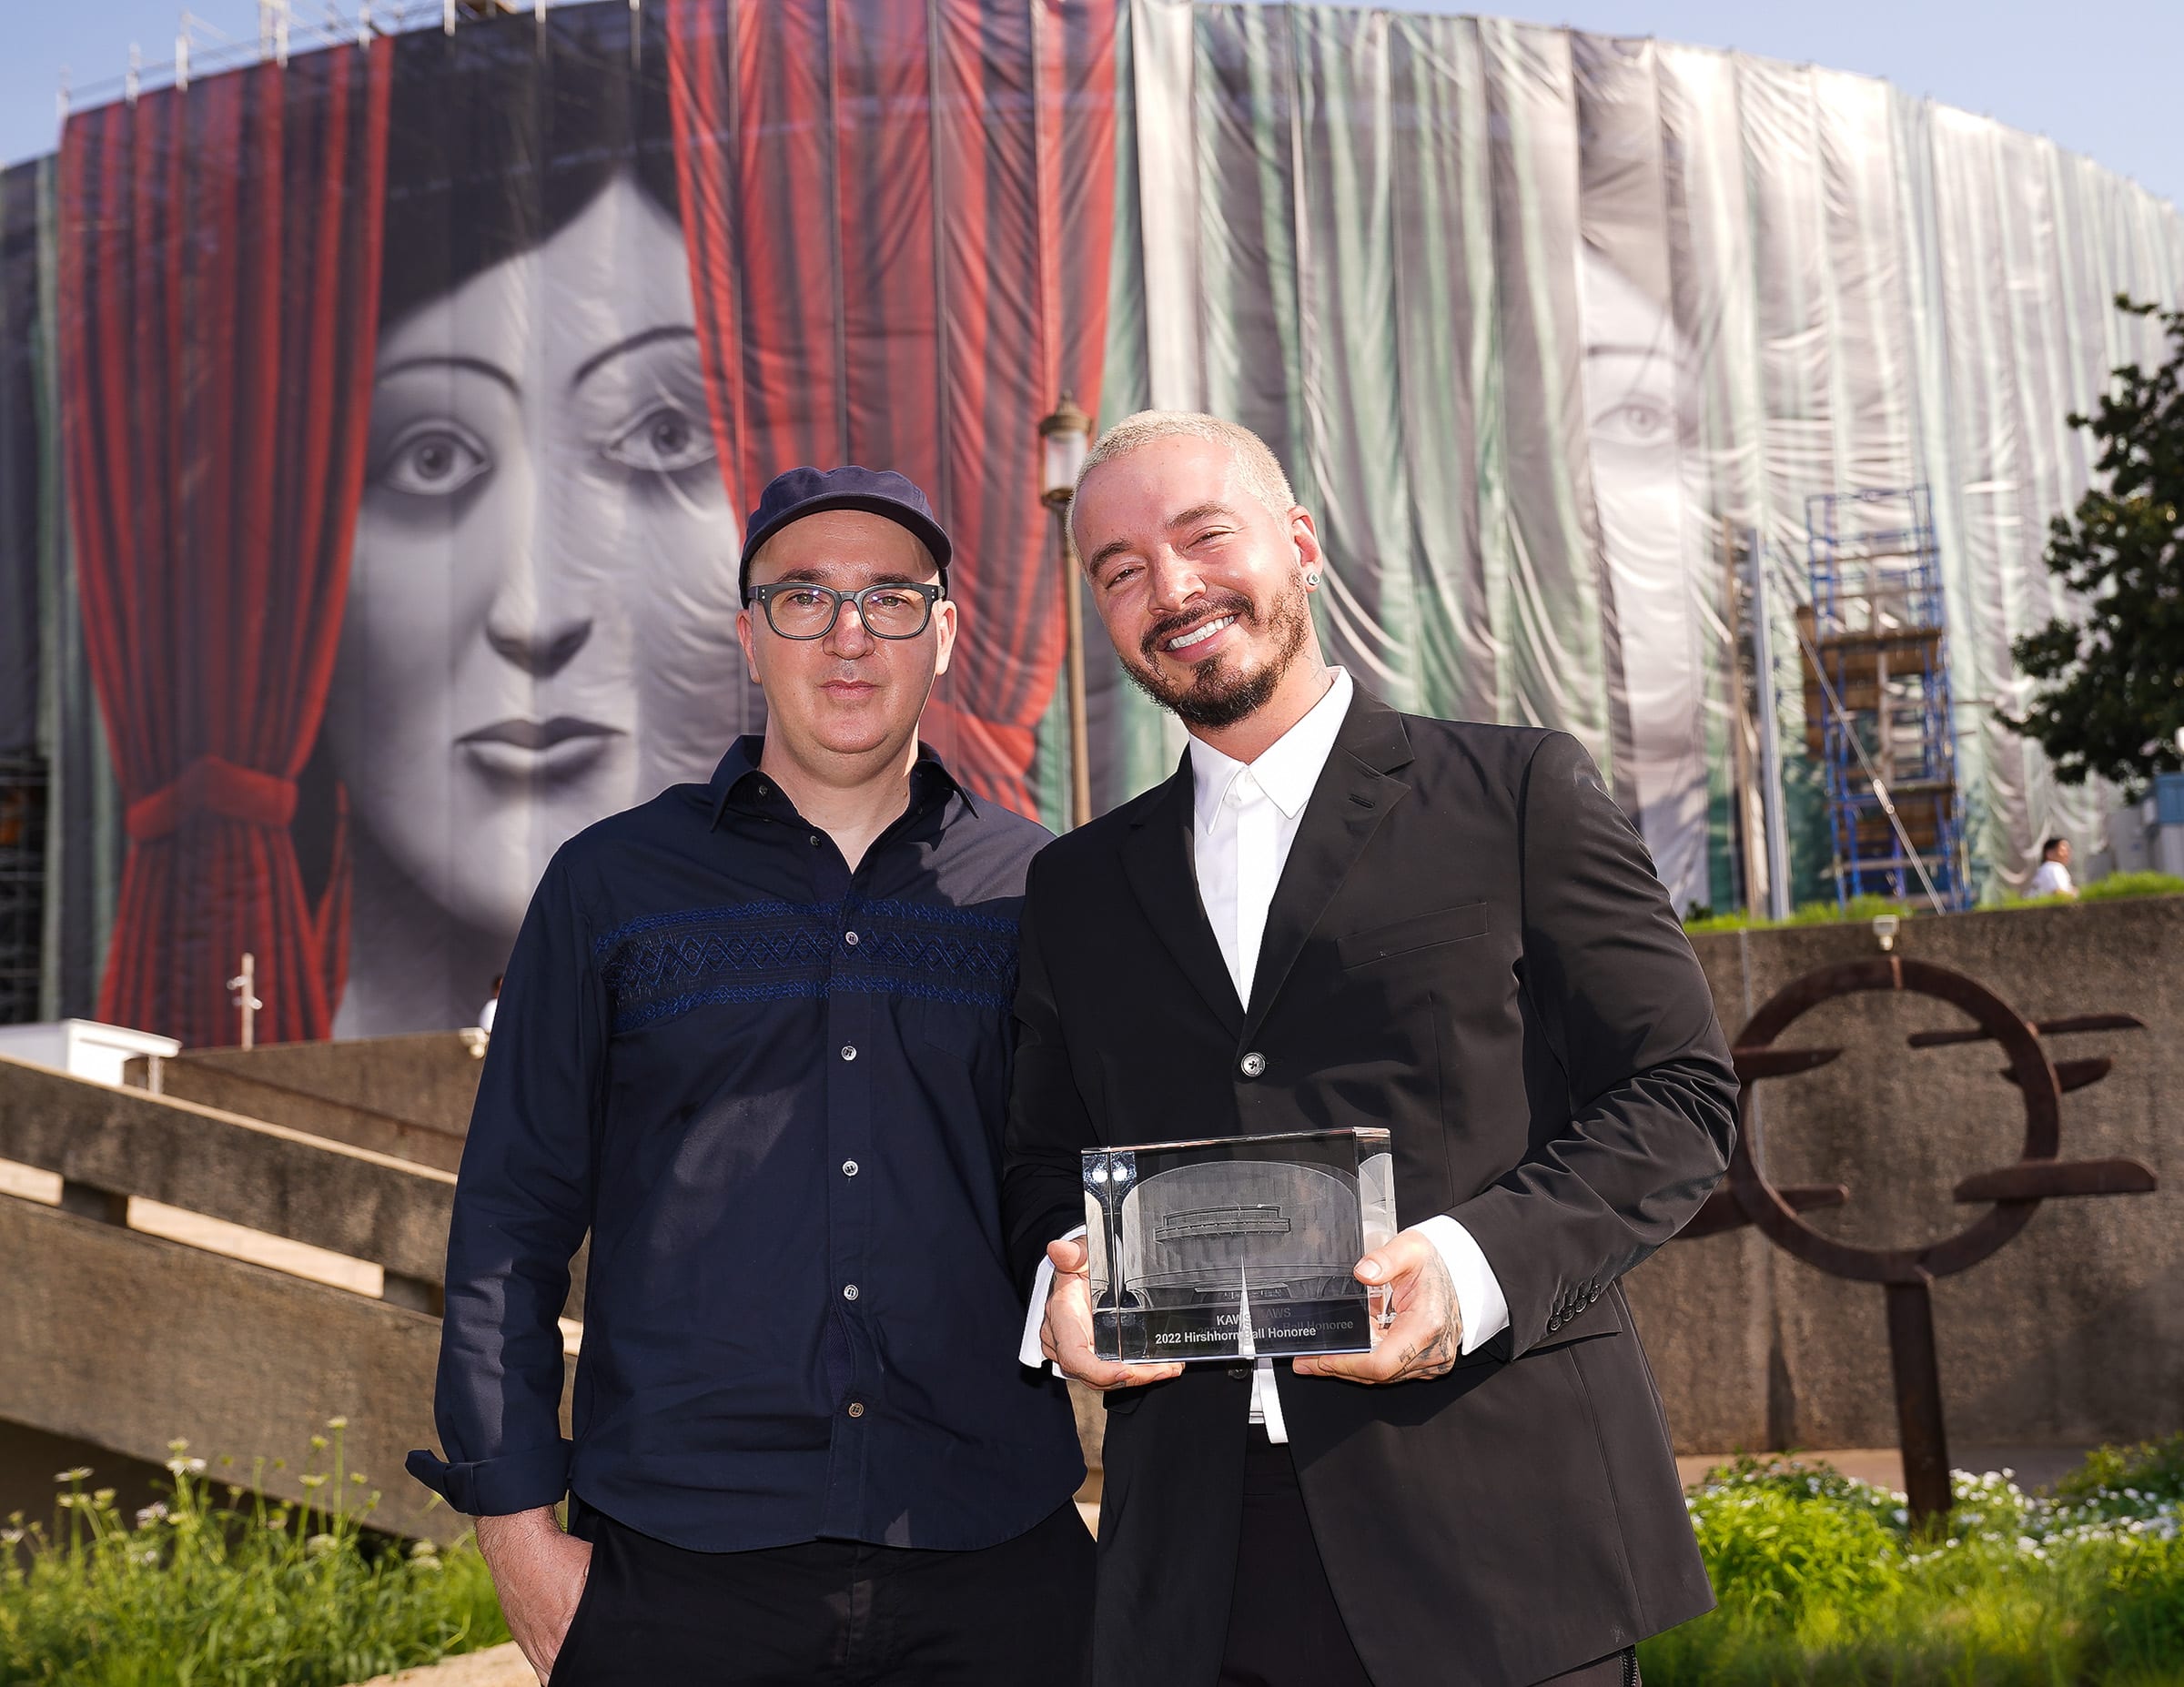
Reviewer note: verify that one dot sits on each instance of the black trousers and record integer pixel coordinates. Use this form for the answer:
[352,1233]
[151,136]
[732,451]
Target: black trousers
[833,1613]
[1285,1628]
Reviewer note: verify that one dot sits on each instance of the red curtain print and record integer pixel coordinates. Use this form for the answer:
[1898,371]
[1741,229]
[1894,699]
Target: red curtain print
[219,285]
[899,214]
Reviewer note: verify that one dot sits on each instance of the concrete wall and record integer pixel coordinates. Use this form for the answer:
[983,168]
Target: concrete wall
[2074,1332]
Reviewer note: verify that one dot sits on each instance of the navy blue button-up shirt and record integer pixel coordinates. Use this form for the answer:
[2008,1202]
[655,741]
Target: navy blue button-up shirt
[773,1090]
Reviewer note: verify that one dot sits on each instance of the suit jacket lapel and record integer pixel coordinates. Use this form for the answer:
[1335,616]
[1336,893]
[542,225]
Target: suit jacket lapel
[1158,858]
[1352,798]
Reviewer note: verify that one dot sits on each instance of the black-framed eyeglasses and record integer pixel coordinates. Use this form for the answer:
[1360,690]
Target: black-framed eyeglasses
[799,609]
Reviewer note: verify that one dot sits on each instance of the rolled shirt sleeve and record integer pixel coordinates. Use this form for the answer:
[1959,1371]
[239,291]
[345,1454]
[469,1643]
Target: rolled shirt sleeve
[523,1206]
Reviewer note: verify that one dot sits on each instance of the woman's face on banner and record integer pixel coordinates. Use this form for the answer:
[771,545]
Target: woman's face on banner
[541,624]
[1640,397]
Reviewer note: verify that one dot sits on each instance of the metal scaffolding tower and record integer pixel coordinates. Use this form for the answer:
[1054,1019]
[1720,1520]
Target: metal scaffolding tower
[21,884]
[1877,694]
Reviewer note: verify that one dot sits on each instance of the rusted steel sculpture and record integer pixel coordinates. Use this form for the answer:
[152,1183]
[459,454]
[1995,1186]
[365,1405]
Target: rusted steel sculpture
[1907,1274]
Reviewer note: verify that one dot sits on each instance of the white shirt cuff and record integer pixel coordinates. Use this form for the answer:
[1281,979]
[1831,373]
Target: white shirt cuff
[1480,1301]
[1027,1349]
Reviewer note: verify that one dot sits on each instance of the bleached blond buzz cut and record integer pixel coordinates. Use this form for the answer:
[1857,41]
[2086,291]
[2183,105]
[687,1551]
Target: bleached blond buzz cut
[1257,468]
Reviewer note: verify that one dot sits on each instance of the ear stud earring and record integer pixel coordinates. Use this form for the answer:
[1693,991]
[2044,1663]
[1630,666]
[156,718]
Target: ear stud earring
[1312,578]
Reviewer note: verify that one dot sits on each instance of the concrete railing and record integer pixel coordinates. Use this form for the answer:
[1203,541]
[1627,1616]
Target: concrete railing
[429,1078]
[229,1089]
[107,1144]
[126,1340]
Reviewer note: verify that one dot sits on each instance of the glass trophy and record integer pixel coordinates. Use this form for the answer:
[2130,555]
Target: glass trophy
[1237,1246]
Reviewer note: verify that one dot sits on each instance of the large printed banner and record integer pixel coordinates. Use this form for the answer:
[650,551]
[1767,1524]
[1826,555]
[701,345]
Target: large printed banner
[408,396]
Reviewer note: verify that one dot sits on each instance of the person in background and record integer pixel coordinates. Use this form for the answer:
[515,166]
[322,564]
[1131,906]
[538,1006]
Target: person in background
[2053,876]
[758,1043]
[493,1005]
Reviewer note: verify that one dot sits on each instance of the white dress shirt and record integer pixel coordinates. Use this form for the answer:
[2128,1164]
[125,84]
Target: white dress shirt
[2052,879]
[1246,817]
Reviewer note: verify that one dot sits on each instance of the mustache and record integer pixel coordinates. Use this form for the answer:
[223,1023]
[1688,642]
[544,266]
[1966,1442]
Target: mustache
[1184,621]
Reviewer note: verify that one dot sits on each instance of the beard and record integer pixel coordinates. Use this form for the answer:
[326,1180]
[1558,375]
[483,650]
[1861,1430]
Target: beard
[1220,692]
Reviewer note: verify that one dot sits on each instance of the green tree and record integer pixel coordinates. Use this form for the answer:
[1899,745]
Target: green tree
[2110,688]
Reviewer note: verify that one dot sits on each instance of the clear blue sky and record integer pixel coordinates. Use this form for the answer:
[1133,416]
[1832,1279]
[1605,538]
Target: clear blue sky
[2102,79]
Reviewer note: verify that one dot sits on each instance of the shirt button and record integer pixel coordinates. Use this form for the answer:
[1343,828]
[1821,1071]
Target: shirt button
[1252,1064]
[849,1168]
[815,840]
[850,938]
[857,1409]
[849,1051]
[849,1291]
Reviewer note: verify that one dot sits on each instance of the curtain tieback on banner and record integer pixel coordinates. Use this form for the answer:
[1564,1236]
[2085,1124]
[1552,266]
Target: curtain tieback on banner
[210,785]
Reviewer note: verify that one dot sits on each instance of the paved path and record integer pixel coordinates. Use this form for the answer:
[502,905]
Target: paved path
[498,1666]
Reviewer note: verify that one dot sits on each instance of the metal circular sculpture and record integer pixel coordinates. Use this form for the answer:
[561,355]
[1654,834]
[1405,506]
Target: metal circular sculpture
[2013,1191]
[2029,1067]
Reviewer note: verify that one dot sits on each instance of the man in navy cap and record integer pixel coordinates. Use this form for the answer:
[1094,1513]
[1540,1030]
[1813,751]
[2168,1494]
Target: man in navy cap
[755,1039]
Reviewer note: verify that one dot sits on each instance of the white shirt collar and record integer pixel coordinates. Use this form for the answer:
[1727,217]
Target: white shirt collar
[1287,770]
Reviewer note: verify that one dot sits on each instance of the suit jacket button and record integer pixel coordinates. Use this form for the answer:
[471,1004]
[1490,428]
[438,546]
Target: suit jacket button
[1554,1324]
[1239,1370]
[1252,1064]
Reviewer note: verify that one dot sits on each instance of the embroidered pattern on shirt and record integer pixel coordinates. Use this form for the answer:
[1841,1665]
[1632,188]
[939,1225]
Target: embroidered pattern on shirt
[667,965]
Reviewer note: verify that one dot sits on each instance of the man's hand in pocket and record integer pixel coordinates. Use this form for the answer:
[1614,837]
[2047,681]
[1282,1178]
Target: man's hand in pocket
[539,1572]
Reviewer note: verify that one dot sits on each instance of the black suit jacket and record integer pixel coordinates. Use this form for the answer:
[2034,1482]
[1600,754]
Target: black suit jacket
[1467,944]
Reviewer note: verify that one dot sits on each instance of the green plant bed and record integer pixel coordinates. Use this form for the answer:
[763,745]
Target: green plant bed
[1821,1580]
[1859,910]
[218,1587]
[2115,887]
[2120,885]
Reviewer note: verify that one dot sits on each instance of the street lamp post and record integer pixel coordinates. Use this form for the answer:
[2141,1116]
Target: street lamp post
[1064,438]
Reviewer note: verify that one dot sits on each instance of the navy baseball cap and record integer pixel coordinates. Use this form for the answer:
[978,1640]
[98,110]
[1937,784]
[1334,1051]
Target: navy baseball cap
[795,493]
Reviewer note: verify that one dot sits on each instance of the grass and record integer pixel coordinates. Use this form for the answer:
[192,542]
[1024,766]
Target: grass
[215,1586]
[1822,1580]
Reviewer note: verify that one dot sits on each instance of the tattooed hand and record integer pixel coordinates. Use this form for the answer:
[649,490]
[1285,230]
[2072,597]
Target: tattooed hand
[1427,1335]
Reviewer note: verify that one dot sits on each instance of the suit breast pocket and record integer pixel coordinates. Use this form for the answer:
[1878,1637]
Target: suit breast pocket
[1424,930]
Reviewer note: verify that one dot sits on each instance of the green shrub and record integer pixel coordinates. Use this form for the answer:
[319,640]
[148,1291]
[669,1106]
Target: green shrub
[194,1593]
[2119,885]
[1770,1549]
[2152,1471]
[2083,1586]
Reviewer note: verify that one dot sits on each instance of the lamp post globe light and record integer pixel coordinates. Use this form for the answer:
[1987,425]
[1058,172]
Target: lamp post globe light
[1065,436]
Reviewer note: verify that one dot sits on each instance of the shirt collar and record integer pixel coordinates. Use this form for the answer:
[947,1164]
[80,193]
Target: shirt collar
[738,773]
[1287,770]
